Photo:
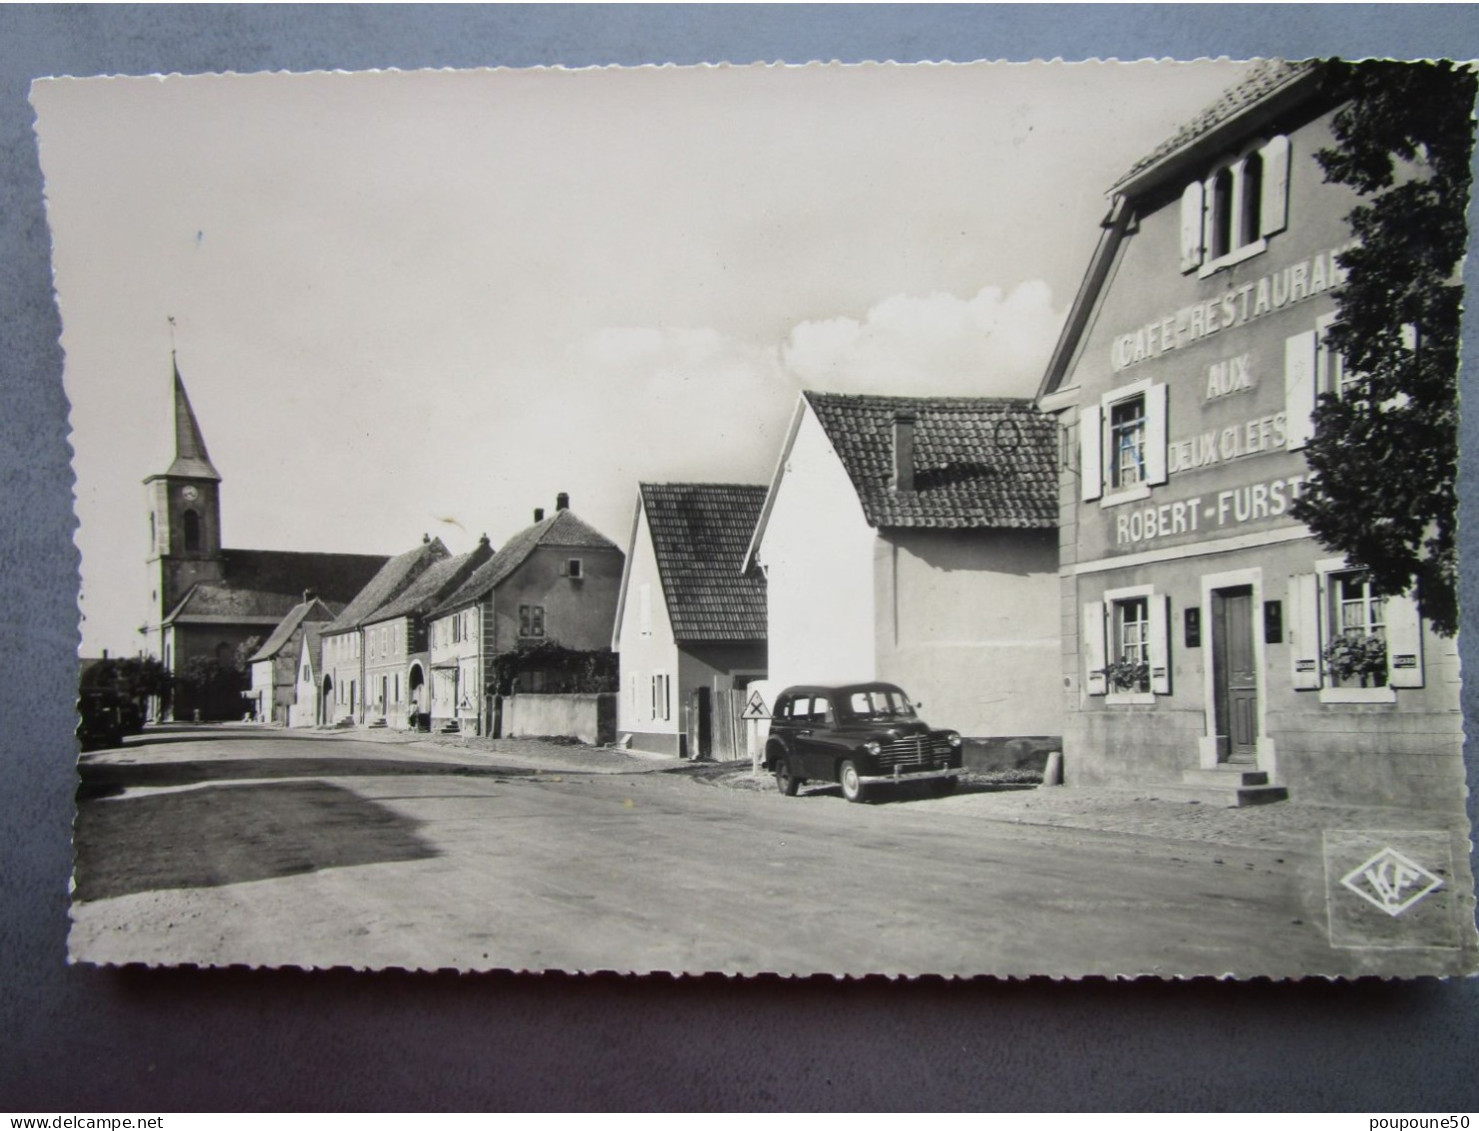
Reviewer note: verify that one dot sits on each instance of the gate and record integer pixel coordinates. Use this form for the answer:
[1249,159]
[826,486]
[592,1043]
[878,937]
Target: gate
[715,725]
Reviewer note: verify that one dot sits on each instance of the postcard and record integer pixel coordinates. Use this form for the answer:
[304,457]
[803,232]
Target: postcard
[972,519]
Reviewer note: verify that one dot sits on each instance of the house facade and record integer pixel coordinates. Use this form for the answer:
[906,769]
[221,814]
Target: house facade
[344,694]
[911,539]
[397,650]
[274,666]
[1201,622]
[553,582]
[307,709]
[690,622]
[206,601]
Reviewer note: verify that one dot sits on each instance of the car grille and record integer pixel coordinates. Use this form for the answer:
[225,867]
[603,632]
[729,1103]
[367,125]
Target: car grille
[916,752]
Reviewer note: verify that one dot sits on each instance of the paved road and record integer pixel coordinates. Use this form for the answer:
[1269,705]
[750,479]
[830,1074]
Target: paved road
[265,848]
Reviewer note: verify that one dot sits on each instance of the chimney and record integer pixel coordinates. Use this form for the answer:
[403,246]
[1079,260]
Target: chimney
[105,653]
[562,502]
[538,514]
[308,595]
[483,541]
[425,539]
[903,476]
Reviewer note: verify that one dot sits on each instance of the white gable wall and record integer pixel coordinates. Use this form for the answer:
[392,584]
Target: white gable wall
[968,626]
[645,643]
[817,551]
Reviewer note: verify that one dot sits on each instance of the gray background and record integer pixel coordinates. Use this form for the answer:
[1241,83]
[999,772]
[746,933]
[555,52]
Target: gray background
[136,1039]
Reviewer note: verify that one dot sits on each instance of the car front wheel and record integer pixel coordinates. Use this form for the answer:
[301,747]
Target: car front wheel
[852,782]
[787,782]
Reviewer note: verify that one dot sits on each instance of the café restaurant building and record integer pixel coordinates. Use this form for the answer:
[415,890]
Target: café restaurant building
[1214,649]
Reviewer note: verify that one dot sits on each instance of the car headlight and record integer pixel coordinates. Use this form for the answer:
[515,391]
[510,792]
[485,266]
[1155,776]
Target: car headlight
[954,740]
[872,749]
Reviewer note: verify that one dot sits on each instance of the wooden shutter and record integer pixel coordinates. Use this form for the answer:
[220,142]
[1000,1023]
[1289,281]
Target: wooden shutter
[1092,635]
[1299,389]
[1191,227]
[1304,632]
[1155,434]
[1091,451]
[1404,642]
[1273,208]
[1159,614]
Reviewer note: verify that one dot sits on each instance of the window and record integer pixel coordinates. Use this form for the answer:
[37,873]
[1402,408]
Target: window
[644,608]
[574,569]
[1228,216]
[1349,643]
[661,690]
[1122,443]
[1357,653]
[190,521]
[1126,646]
[531,621]
[1127,442]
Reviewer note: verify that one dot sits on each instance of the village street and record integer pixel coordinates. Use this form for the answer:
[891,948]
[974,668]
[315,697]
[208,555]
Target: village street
[224,845]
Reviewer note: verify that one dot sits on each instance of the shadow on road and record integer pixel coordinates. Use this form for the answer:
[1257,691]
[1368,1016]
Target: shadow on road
[108,779]
[232,834]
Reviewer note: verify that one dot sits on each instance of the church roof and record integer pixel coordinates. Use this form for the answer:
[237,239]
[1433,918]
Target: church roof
[700,532]
[391,580]
[336,578]
[287,629]
[561,529]
[191,459]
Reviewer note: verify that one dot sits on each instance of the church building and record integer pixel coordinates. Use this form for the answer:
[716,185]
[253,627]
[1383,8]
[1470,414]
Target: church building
[206,600]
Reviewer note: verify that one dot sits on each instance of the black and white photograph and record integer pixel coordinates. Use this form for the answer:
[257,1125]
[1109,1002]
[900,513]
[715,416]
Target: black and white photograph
[935,519]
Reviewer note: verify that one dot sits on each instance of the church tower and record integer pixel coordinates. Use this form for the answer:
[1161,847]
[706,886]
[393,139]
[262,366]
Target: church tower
[184,515]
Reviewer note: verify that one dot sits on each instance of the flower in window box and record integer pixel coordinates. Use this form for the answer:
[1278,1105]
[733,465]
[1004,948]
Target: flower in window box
[1357,655]
[1128,675]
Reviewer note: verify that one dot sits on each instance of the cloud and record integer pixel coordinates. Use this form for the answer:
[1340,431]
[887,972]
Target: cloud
[989,345]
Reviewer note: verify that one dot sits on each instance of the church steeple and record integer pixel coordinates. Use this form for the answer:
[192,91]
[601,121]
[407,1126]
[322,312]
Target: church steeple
[192,461]
[184,512]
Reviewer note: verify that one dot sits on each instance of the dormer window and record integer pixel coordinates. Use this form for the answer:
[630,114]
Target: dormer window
[1228,216]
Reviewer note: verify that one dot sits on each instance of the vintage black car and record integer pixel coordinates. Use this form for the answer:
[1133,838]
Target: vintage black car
[857,735]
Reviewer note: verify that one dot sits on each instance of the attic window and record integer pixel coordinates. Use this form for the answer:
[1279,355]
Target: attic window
[574,569]
[1229,216]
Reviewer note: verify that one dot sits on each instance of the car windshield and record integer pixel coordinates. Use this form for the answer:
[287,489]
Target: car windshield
[877,703]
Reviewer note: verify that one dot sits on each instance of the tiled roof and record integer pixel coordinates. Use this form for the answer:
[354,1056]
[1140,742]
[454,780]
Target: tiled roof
[287,628]
[224,603]
[700,532]
[1264,79]
[333,577]
[979,462]
[562,528]
[388,583]
[440,579]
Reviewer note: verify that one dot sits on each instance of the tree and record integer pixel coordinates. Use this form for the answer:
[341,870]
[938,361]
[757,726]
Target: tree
[1384,459]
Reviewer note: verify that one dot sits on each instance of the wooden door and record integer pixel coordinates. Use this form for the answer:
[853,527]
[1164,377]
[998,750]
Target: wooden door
[1235,676]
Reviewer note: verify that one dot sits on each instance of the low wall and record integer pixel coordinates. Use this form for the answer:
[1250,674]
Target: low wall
[1027,753]
[590,718]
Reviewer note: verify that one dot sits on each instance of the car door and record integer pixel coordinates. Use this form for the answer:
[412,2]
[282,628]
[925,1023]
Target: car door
[812,740]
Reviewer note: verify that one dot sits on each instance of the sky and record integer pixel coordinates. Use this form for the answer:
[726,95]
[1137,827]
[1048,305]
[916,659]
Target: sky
[426,302]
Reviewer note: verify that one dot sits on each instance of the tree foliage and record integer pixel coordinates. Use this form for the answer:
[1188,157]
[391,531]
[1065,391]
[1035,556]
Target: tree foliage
[1383,462]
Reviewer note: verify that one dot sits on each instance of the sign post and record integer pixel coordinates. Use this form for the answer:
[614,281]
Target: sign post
[755,710]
